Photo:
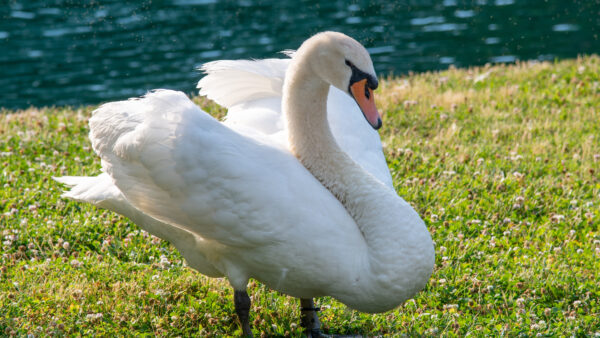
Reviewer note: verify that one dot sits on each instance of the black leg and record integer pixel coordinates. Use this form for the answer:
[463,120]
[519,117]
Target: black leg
[242,308]
[310,319]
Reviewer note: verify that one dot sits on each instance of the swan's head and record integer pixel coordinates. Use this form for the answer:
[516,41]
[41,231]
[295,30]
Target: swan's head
[344,63]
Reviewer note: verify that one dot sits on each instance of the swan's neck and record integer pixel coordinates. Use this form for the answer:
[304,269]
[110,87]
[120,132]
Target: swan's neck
[391,229]
[311,141]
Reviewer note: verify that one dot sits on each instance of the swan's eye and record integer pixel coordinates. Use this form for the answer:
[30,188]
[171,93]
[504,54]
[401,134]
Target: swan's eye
[367,94]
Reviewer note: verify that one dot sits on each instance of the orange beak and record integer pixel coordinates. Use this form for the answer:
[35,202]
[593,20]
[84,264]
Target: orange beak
[363,95]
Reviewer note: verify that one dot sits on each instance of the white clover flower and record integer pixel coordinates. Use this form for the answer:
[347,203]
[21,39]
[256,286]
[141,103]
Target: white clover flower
[94,317]
[164,261]
[77,293]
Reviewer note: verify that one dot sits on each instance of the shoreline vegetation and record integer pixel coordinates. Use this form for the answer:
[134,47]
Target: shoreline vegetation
[502,162]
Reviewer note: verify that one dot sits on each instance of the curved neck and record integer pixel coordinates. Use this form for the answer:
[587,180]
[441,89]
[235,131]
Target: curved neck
[365,198]
[305,107]
[310,138]
[400,252]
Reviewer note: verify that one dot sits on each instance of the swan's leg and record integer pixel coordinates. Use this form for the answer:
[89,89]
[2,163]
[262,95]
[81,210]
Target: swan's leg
[310,319]
[242,308]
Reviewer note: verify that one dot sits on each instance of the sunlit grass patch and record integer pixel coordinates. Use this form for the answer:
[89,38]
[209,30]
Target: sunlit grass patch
[502,162]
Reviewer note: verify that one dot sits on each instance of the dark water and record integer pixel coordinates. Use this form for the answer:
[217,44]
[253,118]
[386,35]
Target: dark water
[81,52]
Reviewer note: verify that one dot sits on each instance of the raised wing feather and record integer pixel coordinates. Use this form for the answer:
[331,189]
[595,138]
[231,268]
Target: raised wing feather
[179,165]
[252,91]
[230,82]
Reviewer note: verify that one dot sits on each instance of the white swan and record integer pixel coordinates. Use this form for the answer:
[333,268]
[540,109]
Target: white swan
[305,219]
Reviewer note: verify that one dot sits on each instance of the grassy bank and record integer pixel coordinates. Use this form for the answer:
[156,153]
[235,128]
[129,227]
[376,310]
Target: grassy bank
[502,162]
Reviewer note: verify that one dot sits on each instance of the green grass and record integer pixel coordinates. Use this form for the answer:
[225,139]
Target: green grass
[502,162]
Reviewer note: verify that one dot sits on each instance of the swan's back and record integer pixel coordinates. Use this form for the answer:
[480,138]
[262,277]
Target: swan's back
[175,163]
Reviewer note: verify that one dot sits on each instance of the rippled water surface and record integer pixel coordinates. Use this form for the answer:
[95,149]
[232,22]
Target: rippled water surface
[86,52]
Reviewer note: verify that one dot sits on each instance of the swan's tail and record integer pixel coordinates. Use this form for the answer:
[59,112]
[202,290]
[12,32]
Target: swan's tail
[95,189]
[101,192]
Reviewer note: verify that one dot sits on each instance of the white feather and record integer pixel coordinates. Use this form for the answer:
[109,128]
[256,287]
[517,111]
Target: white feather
[253,80]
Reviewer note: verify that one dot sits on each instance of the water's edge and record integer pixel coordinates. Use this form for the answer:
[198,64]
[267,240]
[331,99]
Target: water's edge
[77,54]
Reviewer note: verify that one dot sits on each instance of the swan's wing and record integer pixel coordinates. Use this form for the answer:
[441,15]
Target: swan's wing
[355,136]
[234,82]
[252,90]
[177,164]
